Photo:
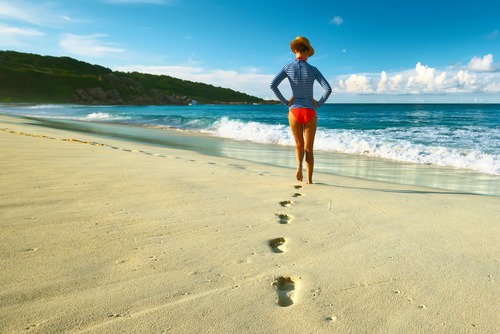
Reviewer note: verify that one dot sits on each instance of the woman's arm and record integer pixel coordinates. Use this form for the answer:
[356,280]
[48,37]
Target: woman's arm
[326,86]
[275,83]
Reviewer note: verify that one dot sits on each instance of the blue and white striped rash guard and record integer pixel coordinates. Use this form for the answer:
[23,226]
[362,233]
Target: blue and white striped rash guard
[301,76]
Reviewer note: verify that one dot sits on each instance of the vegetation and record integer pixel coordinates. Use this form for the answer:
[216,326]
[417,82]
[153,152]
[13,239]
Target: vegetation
[45,79]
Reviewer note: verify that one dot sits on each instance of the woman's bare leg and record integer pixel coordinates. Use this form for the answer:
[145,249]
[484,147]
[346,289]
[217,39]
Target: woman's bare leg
[298,135]
[310,134]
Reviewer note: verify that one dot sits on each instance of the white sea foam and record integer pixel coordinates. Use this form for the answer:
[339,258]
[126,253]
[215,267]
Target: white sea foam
[382,144]
[48,106]
[101,116]
[434,146]
[252,131]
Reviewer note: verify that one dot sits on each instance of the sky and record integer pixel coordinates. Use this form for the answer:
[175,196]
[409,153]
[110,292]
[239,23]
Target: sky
[385,51]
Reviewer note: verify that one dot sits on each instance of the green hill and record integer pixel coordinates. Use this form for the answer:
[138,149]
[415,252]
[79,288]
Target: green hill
[45,79]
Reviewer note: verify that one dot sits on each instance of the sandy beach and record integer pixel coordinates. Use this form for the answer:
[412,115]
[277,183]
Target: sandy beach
[102,235]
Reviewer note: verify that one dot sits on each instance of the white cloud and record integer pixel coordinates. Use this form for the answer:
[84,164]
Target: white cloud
[88,45]
[493,87]
[337,20]
[6,30]
[15,36]
[481,64]
[358,83]
[395,82]
[341,85]
[382,84]
[388,84]
[465,80]
[440,79]
[425,80]
[9,11]
[42,14]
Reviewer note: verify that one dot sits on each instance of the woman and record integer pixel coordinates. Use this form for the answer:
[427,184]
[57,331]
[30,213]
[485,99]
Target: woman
[302,106]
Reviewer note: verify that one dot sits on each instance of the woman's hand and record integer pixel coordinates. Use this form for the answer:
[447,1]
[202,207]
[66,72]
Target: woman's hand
[290,102]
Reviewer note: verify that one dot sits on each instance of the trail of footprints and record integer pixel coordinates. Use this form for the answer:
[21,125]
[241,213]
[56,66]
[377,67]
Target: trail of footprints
[286,287]
[93,143]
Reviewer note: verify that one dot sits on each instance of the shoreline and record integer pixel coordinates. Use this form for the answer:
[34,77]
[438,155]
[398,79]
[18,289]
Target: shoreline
[341,164]
[107,235]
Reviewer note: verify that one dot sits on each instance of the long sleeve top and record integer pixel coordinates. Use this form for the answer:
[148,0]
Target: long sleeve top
[301,76]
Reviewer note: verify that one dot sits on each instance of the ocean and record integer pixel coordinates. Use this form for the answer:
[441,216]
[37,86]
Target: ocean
[446,146]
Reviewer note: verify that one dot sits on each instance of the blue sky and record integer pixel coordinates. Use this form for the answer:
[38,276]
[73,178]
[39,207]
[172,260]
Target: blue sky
[369,51]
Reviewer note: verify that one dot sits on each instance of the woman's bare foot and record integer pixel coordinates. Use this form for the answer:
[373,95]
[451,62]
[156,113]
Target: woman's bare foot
[299,175]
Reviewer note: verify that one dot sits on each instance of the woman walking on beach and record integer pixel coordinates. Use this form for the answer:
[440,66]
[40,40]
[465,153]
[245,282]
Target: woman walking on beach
[302,106]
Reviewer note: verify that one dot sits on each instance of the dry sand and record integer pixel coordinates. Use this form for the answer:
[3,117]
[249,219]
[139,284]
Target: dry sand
[106,236]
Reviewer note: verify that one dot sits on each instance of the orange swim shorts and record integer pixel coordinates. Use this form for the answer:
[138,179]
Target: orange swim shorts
[303,115]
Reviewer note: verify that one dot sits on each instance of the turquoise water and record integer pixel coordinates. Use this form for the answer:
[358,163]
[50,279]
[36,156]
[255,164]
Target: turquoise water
[448,146]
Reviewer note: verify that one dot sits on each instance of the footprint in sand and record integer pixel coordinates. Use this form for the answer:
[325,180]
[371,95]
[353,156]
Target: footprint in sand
[297,195]
[298,187]
[286,203]
[287,289]
[284,219]
[276,244]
